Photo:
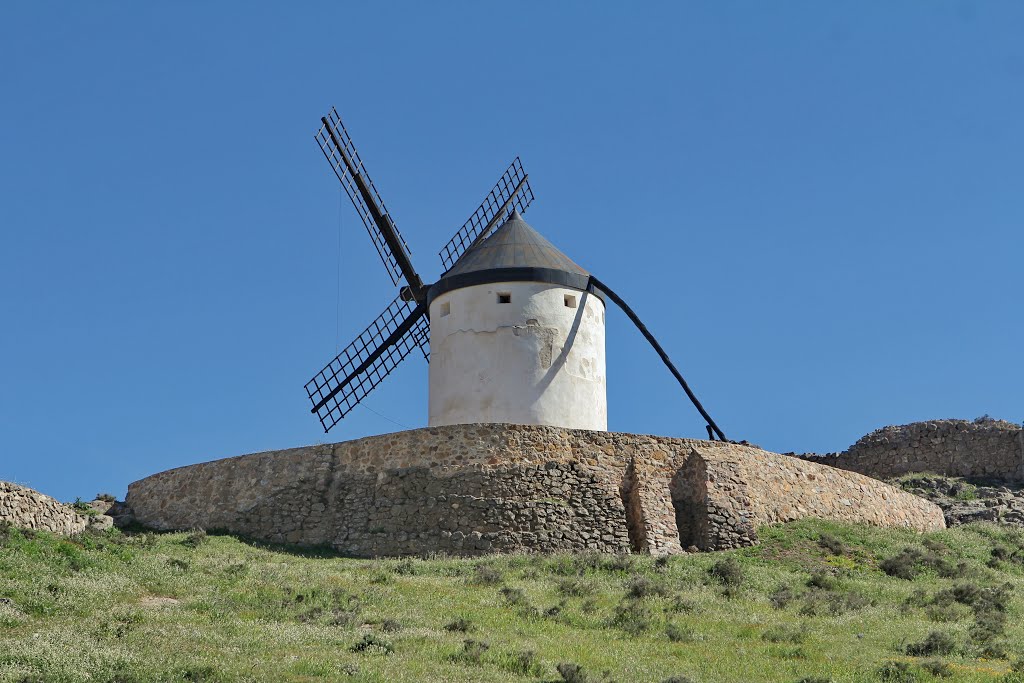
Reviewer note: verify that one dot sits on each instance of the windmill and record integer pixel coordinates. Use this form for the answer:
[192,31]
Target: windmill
[516,326]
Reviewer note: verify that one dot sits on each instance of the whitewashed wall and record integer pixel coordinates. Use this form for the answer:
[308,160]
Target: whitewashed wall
[533,360]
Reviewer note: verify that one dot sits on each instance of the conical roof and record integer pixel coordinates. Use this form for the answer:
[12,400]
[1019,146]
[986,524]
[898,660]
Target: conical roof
[514,252]
[515,244]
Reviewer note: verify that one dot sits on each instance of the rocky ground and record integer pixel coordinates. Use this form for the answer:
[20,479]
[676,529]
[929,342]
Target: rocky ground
[965,500]
[105,513]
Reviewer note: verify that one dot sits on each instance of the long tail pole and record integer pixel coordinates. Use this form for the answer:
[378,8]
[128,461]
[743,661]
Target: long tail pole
[712,427]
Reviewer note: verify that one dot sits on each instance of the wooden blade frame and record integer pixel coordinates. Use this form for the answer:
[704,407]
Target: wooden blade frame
[372,356]
[341,153]
[511,191]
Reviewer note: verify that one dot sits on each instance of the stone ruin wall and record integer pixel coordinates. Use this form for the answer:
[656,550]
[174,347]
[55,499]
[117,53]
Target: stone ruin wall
[27,509]
[984,448]
[473,489]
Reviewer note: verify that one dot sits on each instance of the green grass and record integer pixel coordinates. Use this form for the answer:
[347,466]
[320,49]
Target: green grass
[120,608]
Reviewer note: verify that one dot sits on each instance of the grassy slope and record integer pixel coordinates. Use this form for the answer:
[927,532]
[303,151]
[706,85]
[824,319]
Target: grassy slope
[83,610]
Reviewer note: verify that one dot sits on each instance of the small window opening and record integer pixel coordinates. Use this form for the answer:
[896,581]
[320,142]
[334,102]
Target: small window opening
[504,297]
[446,308]
[570,301]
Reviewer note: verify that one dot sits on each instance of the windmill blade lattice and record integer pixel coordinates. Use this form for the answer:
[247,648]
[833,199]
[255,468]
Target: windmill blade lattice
[511,191]
[341,153]
[372,356]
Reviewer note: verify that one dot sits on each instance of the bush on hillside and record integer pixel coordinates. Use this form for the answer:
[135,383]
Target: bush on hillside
[832,544]
[936,643]
[729,572]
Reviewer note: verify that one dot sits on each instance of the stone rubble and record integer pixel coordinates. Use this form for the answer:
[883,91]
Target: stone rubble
[970,500]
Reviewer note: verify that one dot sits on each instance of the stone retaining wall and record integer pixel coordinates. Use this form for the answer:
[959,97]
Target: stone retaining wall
[27,509]
[954,448]
[472,489]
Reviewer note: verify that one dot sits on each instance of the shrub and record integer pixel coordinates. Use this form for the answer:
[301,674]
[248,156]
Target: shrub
[936,643]
[897,672]
[993,650]
[782,596]
[786,634]
[832,544]
[487,575]
[514,596]
[822,579]
[944,613]
[904,564]
[460,625]
[814,679]
[195,538]
[964,593]
[523,663]
[405,567]
[574,673]
[937,668]
[678,679]
[661,562]
[818,602]
[961,570]
[106,497]
[391,626]
[728,571]
[472,652]
[640,587]
[679,634]
[373,644]
[632,617]
[988,624]
[554,610]
[618,563]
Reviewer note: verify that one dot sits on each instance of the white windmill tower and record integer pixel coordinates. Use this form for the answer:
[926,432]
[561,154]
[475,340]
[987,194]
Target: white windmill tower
[515,336]
[516,328]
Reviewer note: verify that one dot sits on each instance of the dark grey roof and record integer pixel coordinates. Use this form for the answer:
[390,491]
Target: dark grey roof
[515,244]
[514,252]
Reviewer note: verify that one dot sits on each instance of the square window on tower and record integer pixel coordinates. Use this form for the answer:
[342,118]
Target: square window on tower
[446,308]
[570,301]
[504,297]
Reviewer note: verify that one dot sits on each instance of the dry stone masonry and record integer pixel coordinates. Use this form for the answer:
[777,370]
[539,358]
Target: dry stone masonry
[954,448]
[473,489]
[27,509]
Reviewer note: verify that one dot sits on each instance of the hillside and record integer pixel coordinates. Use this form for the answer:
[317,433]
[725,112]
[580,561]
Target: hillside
[811,603]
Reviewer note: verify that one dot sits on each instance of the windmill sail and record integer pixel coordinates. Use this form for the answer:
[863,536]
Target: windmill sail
[372,356]
[511,192]
[344,158]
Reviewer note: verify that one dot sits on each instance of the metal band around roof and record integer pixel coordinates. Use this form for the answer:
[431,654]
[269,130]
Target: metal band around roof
[561,278]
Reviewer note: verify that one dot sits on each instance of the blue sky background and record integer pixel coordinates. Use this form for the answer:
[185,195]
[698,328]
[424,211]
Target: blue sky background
[816,207]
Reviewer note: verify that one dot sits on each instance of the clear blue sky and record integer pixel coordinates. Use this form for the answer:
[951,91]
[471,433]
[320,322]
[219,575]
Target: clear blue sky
[816,207]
